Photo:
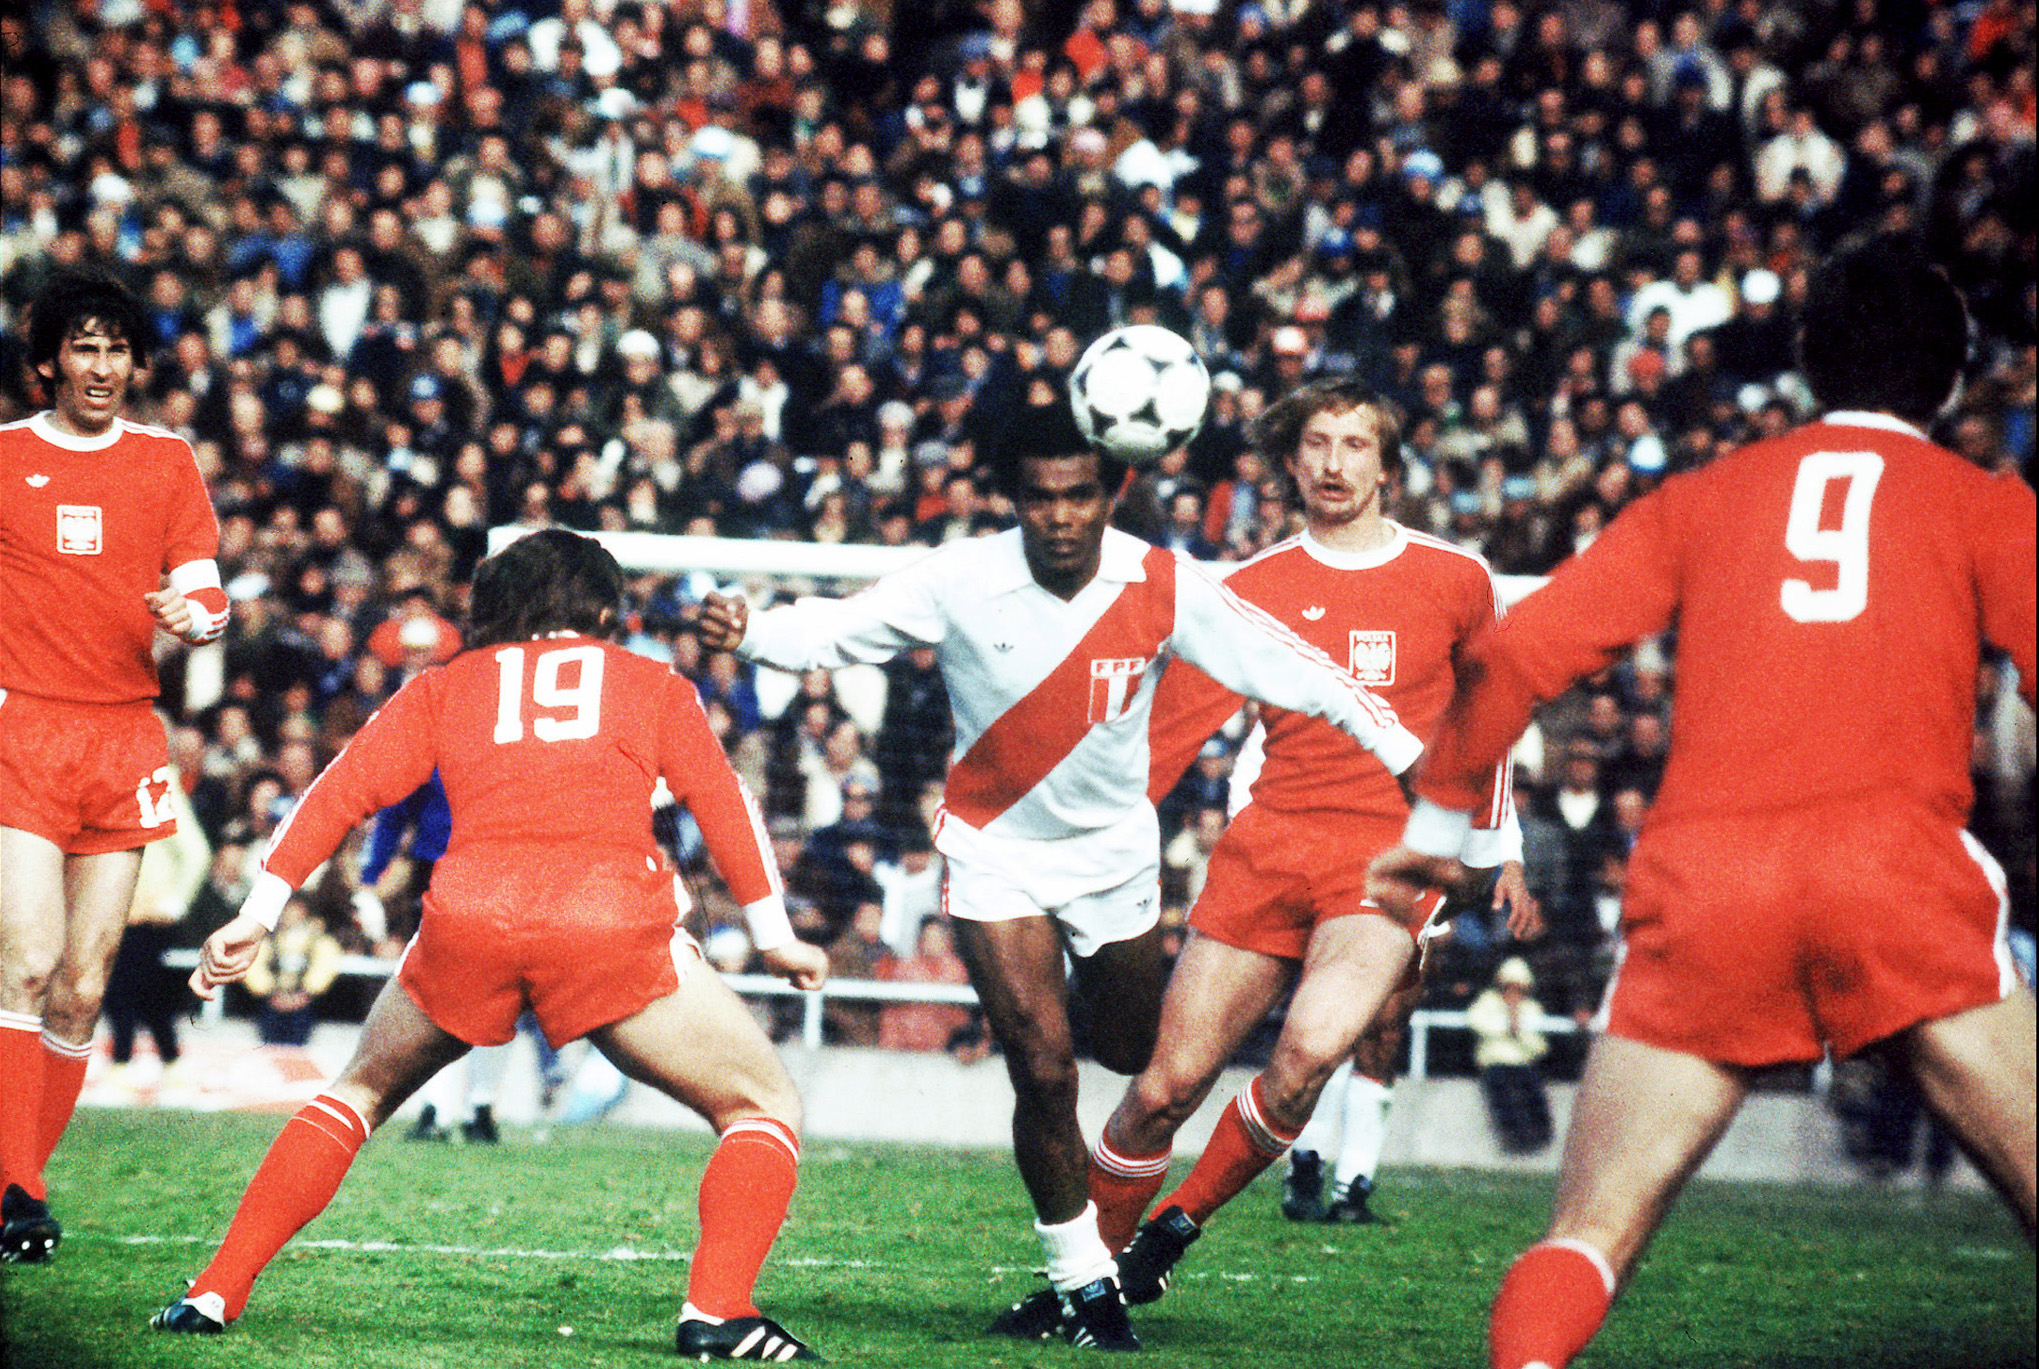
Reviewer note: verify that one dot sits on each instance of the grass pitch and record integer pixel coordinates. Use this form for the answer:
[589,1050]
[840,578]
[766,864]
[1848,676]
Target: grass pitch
[571,1252]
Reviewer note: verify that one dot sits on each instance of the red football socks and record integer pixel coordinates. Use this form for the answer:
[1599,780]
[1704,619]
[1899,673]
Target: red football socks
[298,1177]
[63,1078]
[21,1071]
[1552,1302]
[1122,1185]
[1246,1142]
[743,1200]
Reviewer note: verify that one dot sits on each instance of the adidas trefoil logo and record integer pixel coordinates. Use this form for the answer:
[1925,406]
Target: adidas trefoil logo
[37,481]
[1314,612]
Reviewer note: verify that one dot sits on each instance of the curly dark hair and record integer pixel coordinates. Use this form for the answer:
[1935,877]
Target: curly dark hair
[72,302]
[550,581]
[1884,330]
[1009,466]
[1277,432]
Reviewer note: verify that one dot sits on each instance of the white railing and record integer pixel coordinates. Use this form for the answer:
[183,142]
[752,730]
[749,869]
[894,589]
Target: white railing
[1421,1023]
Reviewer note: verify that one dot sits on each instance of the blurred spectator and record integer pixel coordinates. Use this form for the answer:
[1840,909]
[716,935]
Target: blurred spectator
[298,962]
[930,1026]
[1507,1022]
[913,889]
[859,953]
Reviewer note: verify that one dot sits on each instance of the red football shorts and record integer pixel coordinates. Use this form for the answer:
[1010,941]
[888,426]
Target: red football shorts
[1275,876]
[89,777]
[1752,940]
[583,947]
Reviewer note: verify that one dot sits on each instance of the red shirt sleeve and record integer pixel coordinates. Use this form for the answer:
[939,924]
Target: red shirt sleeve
[698,773]
[1619,590]
[1498,803]
[191,531]
[2005,576]
[392,754]
[1188,707]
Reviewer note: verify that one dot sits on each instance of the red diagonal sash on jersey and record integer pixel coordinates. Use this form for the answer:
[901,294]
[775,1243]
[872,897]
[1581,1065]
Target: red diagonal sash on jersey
[1032,737]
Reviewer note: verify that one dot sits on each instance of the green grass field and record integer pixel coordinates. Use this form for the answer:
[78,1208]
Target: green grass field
[436,1256]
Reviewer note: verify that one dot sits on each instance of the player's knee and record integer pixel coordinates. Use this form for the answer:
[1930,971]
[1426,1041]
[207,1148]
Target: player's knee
[72,1002]
[1170,1095]
[1046,1077]
[780,1103]
[1295,1076]
[25,984]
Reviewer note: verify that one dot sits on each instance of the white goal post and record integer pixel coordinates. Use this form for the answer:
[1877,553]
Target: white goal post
[678,554]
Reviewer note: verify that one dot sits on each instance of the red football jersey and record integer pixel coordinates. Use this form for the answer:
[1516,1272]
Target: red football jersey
[1395,618]
[549,751]
[1830,588]
[87,527]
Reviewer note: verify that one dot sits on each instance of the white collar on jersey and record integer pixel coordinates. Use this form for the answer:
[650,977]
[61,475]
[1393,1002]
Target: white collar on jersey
[1358,560]
[49,432]
[1864,418]
[1121,562]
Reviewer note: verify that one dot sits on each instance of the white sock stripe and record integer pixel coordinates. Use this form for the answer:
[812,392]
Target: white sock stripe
[1126,1166]
[342,1112]
[765,1126]
[1258,1129]
[20,1022]
[1591,1253]
[57,1046]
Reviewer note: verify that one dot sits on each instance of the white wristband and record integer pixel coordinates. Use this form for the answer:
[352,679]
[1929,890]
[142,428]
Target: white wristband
[770,928]
[1437,831]
[1397,749]
[265,901]
[1487,847]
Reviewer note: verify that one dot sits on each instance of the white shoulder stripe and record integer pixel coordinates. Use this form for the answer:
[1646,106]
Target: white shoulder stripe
[1439,544]
[151,430]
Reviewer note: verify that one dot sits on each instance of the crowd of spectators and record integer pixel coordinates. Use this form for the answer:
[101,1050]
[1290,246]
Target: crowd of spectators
[420,267]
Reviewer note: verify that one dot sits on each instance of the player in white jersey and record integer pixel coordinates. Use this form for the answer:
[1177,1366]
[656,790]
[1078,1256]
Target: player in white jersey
[1051,640]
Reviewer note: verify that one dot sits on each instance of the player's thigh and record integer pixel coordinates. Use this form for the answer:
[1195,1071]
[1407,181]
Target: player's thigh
[99,892]
[1351,967]
[31,917]
[1123,983]
[1976,1069]
[1643,1120]
[398,1050]
[1016,968]
[1380,1046]
[700,1045]
[1216,995]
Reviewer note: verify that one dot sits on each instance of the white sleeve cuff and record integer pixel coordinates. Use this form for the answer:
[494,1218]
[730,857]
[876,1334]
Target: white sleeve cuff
[265,900]
[1397,749]
[770,928]
[1487,847]
[1436,831]
[191,577]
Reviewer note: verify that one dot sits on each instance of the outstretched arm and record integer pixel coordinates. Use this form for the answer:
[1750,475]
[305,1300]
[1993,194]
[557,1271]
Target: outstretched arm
[892,614]
[1248,650]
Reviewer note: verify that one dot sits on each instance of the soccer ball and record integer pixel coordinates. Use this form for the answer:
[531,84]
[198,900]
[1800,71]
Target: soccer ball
[1139,392]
